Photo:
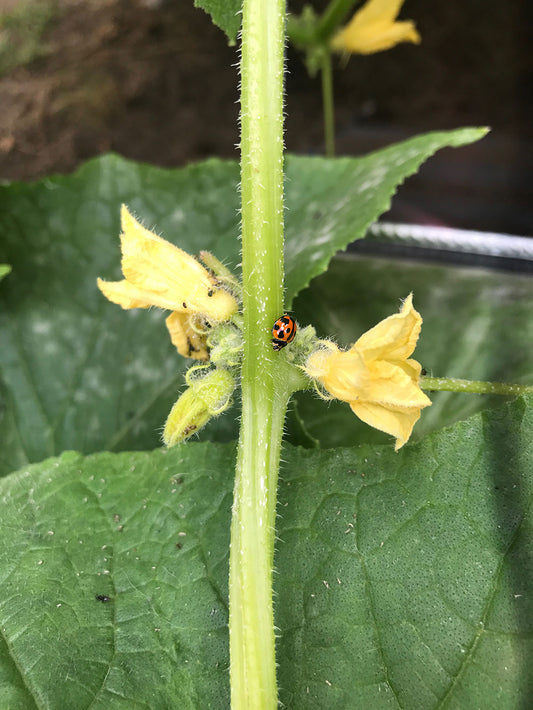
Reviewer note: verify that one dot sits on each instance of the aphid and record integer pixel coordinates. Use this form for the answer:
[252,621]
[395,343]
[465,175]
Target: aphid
[283,331]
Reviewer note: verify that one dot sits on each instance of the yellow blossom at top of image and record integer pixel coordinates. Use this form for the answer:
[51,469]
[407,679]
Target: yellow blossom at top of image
[376,376]
[158,273]
[373,28]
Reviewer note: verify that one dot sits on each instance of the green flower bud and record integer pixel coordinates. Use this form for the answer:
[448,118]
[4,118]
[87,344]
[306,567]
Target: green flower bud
[206,397]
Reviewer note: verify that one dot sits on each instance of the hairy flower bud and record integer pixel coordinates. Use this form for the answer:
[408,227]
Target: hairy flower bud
[207,396]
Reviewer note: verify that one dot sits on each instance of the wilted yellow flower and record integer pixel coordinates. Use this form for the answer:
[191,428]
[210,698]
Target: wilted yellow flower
[158,273]
[375,376]
[187,335]
[373,28]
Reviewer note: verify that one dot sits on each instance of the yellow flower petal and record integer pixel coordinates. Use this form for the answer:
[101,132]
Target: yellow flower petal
[376,11]
[394,338]
[160,274]
[188,341]
[124,294]
[157,266]
[342,373]
[373,29]
[391,385]
[398,423]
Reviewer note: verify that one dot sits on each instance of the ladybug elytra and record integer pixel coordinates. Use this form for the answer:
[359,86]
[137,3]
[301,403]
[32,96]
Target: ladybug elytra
[283,331]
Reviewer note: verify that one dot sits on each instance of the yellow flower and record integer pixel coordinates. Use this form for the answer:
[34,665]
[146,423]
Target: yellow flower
[373,28]
[158,273]
[375,376]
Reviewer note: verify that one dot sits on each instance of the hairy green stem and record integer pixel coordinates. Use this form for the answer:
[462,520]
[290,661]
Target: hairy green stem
[451,384]
[252,641]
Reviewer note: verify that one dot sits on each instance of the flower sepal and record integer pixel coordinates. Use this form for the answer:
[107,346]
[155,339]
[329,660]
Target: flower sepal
[301,347]
[225,343]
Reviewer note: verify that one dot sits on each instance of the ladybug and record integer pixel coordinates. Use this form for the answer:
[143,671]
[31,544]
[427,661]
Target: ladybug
[283,330]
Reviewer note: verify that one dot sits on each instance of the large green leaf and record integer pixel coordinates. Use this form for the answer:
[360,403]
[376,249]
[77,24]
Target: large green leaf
[477,325]
[114,577]
[403,580]
[77,371]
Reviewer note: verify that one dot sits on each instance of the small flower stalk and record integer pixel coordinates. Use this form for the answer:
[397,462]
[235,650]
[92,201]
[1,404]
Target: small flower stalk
[374,28]
[376,376]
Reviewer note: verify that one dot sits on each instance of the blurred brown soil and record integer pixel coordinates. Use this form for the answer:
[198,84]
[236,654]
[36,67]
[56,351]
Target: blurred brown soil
[155,81]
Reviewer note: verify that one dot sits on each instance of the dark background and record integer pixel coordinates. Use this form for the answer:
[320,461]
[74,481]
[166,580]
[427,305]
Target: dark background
[157,82]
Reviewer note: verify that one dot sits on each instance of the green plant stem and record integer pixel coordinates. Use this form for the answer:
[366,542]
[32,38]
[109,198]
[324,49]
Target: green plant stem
[451,384]
[332,17]
[327,103]
[252,641]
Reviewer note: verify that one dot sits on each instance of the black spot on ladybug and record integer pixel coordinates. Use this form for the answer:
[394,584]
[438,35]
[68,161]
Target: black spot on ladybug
[184,304]
[210,292]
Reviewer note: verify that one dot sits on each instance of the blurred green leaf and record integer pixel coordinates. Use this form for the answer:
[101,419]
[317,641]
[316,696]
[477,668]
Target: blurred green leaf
[77,371]
[402,579]
[477,325]
[4,270]
[226,14]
